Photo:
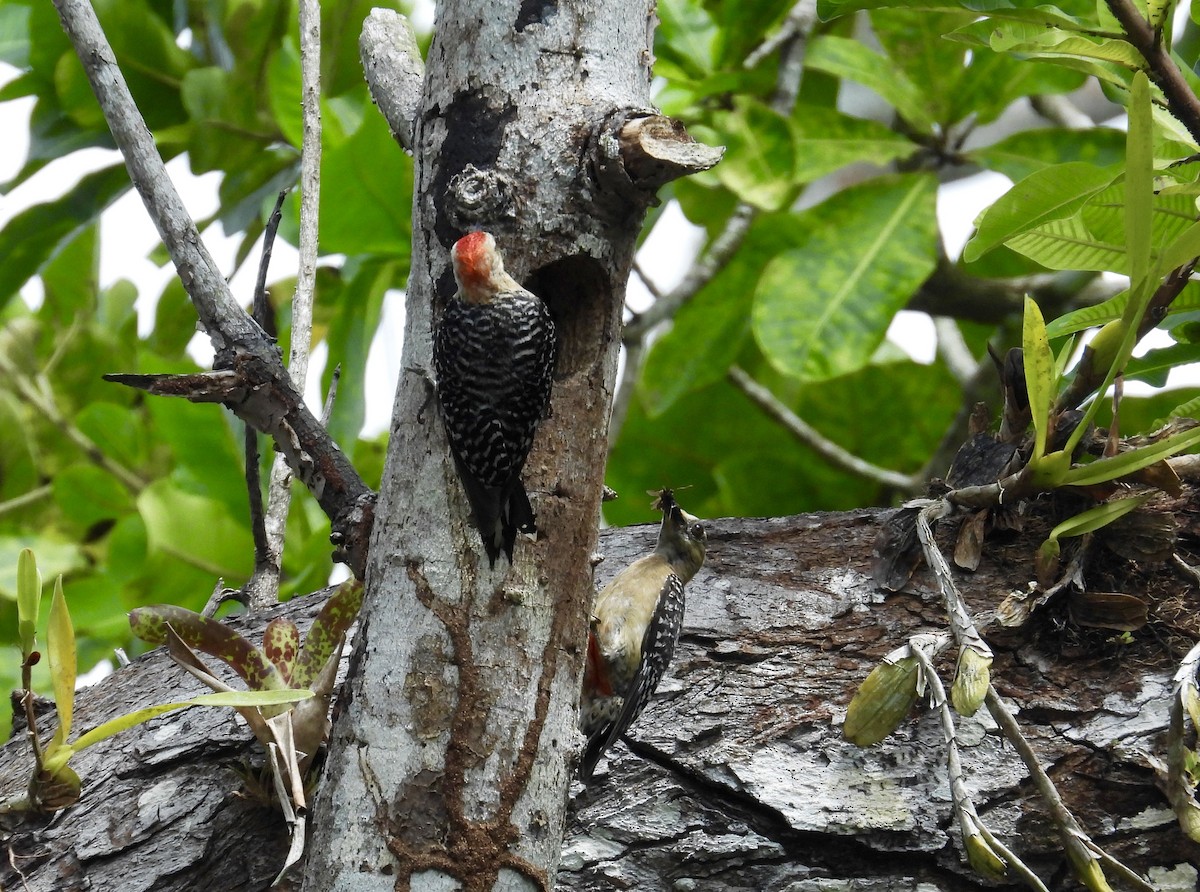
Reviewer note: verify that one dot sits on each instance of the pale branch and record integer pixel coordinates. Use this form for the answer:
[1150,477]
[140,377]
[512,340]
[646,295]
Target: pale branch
[1081,851]
[1161,67]
[394,70]
[812,438]
[970,824]
[626,387]
[26,498]
[263,589]
[260,309]
[952,347]
[240,344]
[799,19]
[1061,111]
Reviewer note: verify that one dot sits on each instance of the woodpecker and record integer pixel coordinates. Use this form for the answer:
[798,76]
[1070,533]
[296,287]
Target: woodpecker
[635,626]
[493,353]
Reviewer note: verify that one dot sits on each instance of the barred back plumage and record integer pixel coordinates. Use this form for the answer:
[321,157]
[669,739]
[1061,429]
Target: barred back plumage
[494,353]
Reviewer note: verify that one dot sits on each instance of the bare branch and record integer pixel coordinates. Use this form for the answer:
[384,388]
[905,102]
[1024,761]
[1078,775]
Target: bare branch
[240,343]
[809,436]
[263,590]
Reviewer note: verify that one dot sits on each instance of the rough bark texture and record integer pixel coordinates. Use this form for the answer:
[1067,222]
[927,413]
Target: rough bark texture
[451,756]
[741,779]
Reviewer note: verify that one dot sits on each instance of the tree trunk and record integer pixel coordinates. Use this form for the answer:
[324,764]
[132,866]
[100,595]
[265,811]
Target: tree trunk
[452,753]
[739,777]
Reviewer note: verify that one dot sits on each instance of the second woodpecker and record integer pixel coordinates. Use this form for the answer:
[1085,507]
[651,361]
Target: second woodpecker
[635,627]
[494,352]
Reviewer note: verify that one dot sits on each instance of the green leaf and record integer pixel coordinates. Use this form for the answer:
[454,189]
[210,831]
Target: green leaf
[29,600]
[232,699]
[209,636]
[853,60]
[1044,14]
[825,141]
[1139,181]
[33,236]
[1034,40]
[1099,516]
[822,308]
[1039,374]
[60,645]
[1021,154]
[367,182]
[760,158]
[14,35]
[196,530]
[1048,196]
[1112,467]
[686,37]
[708,331]
[87,495]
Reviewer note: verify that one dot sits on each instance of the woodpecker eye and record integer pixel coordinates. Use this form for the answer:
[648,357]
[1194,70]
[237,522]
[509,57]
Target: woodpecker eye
[697,531]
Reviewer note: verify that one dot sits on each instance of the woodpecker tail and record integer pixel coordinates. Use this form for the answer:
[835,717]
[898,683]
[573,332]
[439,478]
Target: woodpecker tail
[501,512]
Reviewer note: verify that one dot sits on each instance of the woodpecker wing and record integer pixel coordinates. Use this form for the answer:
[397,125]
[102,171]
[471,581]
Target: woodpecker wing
[658,646]
[494,363]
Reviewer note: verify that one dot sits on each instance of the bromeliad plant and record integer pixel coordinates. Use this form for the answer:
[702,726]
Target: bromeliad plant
[1141,222]
[54,784]
[292,735]
[283,663]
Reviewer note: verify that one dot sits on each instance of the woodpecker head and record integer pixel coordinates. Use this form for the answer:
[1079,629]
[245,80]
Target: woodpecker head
[478,268]
[682,539]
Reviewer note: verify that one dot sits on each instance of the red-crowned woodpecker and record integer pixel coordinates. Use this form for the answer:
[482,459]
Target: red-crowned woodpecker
[493,353]
[635,626]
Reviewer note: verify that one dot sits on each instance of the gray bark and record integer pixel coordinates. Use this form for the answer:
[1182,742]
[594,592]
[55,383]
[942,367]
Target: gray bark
[738,778]
[451,758]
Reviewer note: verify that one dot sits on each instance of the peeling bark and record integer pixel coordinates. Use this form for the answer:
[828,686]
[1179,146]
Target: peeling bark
[738,777]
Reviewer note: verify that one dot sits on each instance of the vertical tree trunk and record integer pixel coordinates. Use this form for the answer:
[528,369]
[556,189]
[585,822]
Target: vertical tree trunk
[454,745]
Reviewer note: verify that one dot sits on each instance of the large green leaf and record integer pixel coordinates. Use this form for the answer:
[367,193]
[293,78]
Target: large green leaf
[1043,14]
[760,157]
[87,495]
[366,184]
[1044,197]
[823,307]
[34,235]
[851,59]
[1094,237]
[685,42]
[825,140]
[1021,154]
[708,332]
[196,531]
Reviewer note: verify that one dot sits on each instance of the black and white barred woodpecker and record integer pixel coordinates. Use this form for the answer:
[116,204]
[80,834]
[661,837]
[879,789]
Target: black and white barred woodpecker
[635,627]
[493,353]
